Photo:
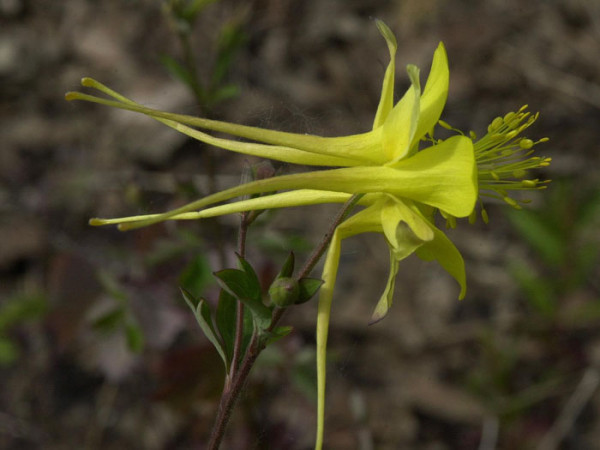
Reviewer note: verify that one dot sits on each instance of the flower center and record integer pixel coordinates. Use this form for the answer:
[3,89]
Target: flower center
[504,159]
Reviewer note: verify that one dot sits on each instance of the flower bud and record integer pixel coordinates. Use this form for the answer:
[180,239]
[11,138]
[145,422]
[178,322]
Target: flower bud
[284,292]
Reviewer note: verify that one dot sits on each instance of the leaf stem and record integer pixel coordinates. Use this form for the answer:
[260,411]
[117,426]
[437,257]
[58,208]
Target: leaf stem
[320,249]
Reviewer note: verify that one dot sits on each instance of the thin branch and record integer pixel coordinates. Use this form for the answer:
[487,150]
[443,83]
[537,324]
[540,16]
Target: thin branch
[239,327]
[320,249]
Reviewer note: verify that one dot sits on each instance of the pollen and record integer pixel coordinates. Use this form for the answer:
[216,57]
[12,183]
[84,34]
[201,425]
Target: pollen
[504,158]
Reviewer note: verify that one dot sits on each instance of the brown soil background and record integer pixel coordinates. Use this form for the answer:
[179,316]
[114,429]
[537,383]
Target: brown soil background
[436,374]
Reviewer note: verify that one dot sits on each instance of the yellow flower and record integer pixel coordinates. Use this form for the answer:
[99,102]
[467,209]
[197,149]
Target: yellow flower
[403,182]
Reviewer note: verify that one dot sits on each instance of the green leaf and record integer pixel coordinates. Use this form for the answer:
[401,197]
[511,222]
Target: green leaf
[21,307]
[288,267]
[245,288]
[193,8]
[202,312]
[254,283]
[540,234]
[308,288]
[8,352]
[539,293]
[223,93]
[236,282]
[226,318]
[178,71]
[276,334]
[197,275]
[110,321]
[111,286]
[230,41]
[135,337]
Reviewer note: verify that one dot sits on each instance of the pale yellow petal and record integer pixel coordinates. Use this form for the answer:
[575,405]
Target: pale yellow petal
[300,197]
[435,94]
[362,147]
[385,302]
[362,222]
[386,102]
[401,123]
[447,255]
[443,176]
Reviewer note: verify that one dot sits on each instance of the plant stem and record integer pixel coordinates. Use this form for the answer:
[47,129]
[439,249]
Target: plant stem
[239,328]
[230,396]
[320,249]
[237,378]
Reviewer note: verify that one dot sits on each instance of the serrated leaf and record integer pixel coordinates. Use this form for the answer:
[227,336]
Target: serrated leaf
[248,330]
[308,288]
[252,277]
[197,275]
[202,313]
[226,321]
[276,334]
[237,283]
[245,288]
[288,267]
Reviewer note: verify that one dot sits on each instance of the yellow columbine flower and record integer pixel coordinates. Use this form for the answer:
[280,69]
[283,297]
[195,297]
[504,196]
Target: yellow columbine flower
[402,184]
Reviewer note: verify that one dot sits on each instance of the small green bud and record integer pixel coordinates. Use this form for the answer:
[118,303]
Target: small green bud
[284,292]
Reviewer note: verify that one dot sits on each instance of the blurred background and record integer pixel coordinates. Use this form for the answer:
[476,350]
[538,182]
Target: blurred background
[97,348]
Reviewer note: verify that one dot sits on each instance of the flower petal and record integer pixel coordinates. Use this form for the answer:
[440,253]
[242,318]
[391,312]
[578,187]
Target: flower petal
[386,102]
[443,176]
[363,222]
[299,197]
[435,94]
[385,302]
[363,148]
[395,211]
[447,255]
[401,123]
[450,167]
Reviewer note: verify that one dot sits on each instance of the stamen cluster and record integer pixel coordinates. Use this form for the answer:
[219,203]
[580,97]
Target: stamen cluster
[504,158]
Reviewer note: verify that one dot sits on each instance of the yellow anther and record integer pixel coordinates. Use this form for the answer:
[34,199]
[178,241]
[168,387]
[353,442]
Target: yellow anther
[445,125]
[472,135]
[496,123]
[509,117]
[473,216]
[484,216]
[526,144]
[511,134]
[451,222]
[511,202]
[529,184]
